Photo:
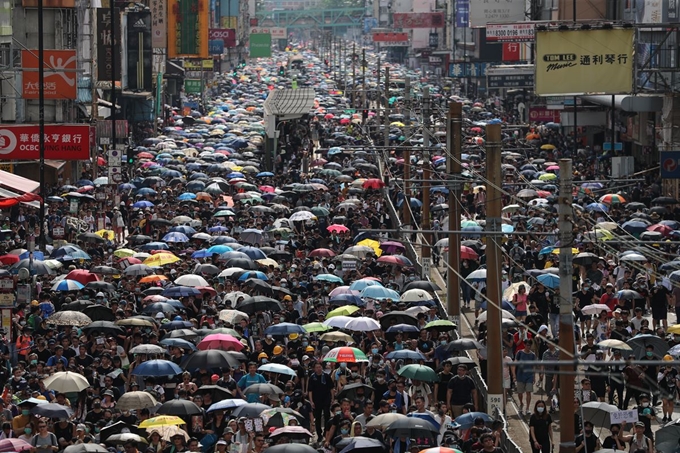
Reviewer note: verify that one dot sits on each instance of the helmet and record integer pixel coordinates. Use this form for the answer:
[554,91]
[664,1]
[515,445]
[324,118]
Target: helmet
[309,349]
[278,350]
[668,358]
[177,318]
[262,356]
[293,336]
[100,294]
[287,298]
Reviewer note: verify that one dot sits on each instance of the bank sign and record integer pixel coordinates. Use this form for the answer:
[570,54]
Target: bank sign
[62,142]
[670,164]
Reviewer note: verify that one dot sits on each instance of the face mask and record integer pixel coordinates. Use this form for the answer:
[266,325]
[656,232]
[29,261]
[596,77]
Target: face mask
[28,430]
[96,406]
[649,354]
[269,337]
[615,433]
[442,342]
[540,409]
[441,412]
[25,412]
[337,412]
[588,431]
[264,360]
[344,431]
[380,380]
[34,362]
[96,430]
[374,350]
[305,343]
[283,285]
[645,404]
[343,365]
[148,387]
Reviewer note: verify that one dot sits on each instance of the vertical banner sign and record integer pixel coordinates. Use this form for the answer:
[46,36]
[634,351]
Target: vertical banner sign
[159,24]
[105,36]
[60,74]
[139,51]
[462,13]
[228,8]
[188,28]
[578,62]
[260,45]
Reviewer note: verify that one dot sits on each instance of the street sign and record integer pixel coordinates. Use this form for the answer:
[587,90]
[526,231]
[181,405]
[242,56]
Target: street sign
[426,268]
[192,86]
[510,76]
[495,404]
[518,32]
[670,164]
[607,146]
[474,70]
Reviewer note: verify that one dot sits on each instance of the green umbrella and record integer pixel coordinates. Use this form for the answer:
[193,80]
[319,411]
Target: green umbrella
[418,372]
[320,211]
[316,327]
[441,325]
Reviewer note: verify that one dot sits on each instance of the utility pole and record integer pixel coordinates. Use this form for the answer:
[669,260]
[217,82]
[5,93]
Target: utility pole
[364,63]
[494,257]
[406,110]
[566,334]
[406,207]
[354,76]
[42,239]
[387,107]
[377,105]
[454,144]
[425,221]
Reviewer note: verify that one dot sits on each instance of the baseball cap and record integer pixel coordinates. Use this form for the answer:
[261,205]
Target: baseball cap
[160,316]
[221,442]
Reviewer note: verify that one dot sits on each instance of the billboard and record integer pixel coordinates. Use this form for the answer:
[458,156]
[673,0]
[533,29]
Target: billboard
[276,32]
[105,52]
[260,45]
[482,13]
[418,20]
[226,35]
[518,76]
[188,28]
[543,115]
[62,142]
[462,13]
[522,32]
[390,37]
[229,22]
[228,8]
[159,23]
[657,11]
[49,3]
[576,62]
[139,51]
[471,69]
[59,72]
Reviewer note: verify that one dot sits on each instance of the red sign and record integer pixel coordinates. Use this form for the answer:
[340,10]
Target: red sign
[390,37]
[543,115]
[62,142]
[511,51]
[418,20]
[254,22]
[59,74]
[226,35]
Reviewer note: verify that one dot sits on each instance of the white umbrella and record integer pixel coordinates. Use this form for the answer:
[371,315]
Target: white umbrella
[338,322]
[595,309]
[415,295]
[230,271]
[417,309]
[232,316]
[504,314]
[69,318]
[362,324]
[633,257]
[136,400]
[277,368]
[302,216]
[513,289]
[66,382]
[191,280]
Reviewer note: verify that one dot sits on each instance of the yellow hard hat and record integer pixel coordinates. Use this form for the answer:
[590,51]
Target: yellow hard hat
[262,356]
[293,336]
[668,358]
[309,349]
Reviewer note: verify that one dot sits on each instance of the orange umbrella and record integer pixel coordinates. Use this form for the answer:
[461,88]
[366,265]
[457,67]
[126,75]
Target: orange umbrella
[153,278]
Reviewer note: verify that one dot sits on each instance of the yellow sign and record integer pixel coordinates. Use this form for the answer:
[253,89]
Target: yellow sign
[208,65]
[578,62]
[188,28]
[229,22]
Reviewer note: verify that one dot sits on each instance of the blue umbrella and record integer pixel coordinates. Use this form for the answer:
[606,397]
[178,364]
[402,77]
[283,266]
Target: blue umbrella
[84,182]
[203,253]
[405,354]
[231,403]
[253,252]
[217,229]
[68,285]
[328,278]
[507,229]
[360,285]
[379,293]
[146,191]
[403,328]
[347,299]
[546,250]
[635,226]
[126,186]
[359,444]
[175,237]
[235,174]
[425,416]
[155,246]
[597,207]
[37,255]
[264,174]
[64,250]
[219,249]
[441,189]
[178,343]
[219,240]
[143,204]
[552,281]
[177,325]
[285,328]
[156,368]
[253,274]
[187,196]
[467,421]
[505,305]
[186,229]
[180,291]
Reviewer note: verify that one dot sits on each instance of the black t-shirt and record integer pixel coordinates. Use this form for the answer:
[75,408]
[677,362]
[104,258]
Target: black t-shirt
[585,299]
[461,390]
[443,385]
[320,387]
[541,426]
[591,441]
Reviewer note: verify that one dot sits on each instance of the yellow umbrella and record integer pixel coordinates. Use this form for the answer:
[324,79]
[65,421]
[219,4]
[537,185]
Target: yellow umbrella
[375,245]
[675,329]
[548,147]
[397,124]
[337,336]
[106,234]
[548,177]
[161,259]
[345,310]
[162,420]
[609,226]
[123,253]
[599,234]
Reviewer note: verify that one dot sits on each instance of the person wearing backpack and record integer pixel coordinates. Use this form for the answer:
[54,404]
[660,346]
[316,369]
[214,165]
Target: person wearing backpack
[638,441]
[45,441]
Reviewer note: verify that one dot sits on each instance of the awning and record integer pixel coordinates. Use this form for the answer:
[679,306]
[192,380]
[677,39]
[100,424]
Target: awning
[9,194]
[18,183]
[639,103]
[56,164]
[289,104]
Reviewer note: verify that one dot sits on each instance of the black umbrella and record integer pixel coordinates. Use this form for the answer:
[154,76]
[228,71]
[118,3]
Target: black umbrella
[52,410]
[101,286]
[86,448]
[251,410]
[411,427]
[106,327]
[180,408]
[397,317]
[242,263]
[350,390]
[211,358]
[91,238]
[252,305]
[422,284]
[116,428]
[468,362]
[104,270]
[185,334]
[462,344]
[362,445]
[139,238]
[664,200]
[585,259]
[80,305]
[217,392]
[99,313]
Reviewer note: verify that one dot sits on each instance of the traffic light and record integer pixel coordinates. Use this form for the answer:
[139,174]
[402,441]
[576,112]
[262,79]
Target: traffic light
[234,73]
[130,156]
[325,62]
[282,71]
[364,114]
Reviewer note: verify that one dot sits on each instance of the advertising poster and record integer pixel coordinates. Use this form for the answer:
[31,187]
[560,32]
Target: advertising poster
[105,52]
[59,74]
[260,45]
[139,51]
[188,28]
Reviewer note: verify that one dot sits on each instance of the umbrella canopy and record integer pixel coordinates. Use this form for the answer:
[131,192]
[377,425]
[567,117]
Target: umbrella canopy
[599,414]
[156,368]
[69,318]
[163,420]
[179,408]
[412,427]
[419,372]
[66,382]
[52,410]
[136,400]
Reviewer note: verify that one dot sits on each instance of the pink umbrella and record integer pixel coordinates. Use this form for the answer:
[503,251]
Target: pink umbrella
[344,121]
[221,341]
[268,189]
[343,290]
[329,116]
[319,162]
[14,445]
[553,168]
[335,228]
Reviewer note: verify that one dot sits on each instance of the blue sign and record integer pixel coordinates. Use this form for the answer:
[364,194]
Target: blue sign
[191,104]
[216,47]
[370,23]
[462,13]
[670,164]
[607,146]
[472,70]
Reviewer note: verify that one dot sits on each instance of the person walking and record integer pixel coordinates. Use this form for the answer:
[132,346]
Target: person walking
[540,429]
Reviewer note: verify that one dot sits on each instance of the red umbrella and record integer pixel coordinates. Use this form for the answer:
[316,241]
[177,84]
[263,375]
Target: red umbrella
[221,341]
[393,259]
[129,261]
[543,193]
[319,162]
[466,253]
[659,228]
[344,121]
[9,259]
[337,228]
[82,276]
[322,253]
[207,290]
[373,183]
[144,155]
[329,116]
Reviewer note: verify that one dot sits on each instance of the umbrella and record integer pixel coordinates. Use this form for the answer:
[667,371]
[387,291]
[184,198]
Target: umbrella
[614,344]
[345,354]
[640,343]
[292,447]
[463,344]
[220,341]
[284,328]
[595,309]
[122,438]
[8,445]
[549,280]
[69,318]
[86,448]
[440,325]
[178,343]
[66,382]
[106,327]
[277,368]
[263,389]
[666,438]
[67,285]
[385,420]
[163,420]
[364,445]
[362,324]
[467,421]
[135,400]
[227,404]
[405,354]
[412,427]
[350,390]
[250,410]
[598,413]
[337,336]
[419,372]
[156,368]
[52,410]
[211,358]
[180,408]
[99,313]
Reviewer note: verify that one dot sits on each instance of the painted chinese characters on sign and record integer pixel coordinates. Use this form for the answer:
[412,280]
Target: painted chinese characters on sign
[59,74]
[188,28]
[62,142]
[418,20]
[158,23]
